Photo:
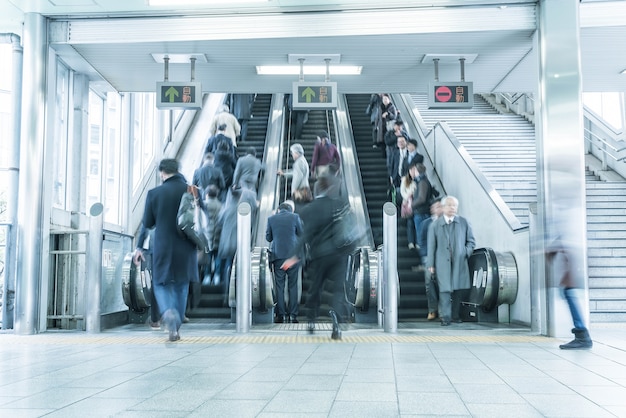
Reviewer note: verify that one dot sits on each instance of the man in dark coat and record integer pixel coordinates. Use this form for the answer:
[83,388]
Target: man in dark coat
[283,230]
[450,245]
[209,175]
[241,106]
[174,259]
[328,263]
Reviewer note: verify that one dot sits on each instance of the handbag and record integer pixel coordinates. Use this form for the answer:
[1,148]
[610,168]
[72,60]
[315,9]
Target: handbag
[406,209]
[190,219]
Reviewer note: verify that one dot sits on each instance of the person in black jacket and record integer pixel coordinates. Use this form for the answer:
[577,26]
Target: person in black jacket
[174,259]
[328,263]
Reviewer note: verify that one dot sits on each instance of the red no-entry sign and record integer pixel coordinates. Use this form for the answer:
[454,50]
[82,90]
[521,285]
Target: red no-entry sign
[443,94]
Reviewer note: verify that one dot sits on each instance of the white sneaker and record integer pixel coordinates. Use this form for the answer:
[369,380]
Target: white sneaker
[411,246]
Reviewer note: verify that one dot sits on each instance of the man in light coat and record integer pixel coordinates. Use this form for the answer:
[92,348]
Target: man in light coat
[224,117]
[450,244]
[300,171]
[247,170]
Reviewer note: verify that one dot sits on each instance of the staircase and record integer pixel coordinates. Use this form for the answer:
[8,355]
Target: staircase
[210,304]
[412,302]
[606,244]
[504,146]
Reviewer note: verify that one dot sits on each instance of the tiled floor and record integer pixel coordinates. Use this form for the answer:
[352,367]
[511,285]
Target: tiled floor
[281,371]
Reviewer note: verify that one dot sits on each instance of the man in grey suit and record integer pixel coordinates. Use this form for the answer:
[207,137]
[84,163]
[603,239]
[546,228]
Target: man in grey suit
[247,170]
[450,244]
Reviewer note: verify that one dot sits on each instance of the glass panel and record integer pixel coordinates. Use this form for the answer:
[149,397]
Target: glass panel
[59,150]
[607,105]
[143,135]
[6,113]
[94,151]
[112,160]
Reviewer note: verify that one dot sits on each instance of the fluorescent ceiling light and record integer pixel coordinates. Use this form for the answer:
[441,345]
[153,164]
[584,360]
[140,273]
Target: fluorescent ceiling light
[623,71]
[178,3]
[308,70]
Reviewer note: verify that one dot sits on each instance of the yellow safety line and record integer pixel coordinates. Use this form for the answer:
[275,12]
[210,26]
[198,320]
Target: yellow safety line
[318,338]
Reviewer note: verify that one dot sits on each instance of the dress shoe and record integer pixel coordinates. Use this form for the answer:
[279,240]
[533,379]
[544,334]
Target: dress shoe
[174,335]
[457,321]
[280,319]
[445,323]
[294,320]
[431,316]
[311,327]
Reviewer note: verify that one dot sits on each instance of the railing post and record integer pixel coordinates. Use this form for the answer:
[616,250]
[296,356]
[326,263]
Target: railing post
[390,267]
[93,287]
[244,296]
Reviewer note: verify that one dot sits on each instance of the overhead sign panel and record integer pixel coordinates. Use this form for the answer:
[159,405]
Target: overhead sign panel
[314,95]
[179,95]
[450,94]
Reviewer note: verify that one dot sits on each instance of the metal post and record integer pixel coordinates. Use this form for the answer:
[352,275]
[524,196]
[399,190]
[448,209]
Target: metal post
[93,287]
[436,61]
[166,68]
[244,295]
[301,61]
[462,62]
[13,168]
[390,267]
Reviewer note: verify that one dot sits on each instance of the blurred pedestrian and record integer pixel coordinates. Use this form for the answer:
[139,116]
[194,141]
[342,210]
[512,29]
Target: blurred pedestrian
[299,173]
[174,258]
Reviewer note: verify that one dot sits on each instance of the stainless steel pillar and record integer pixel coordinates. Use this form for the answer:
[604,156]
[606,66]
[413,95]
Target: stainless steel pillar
[93,286]
[390,267]
[13,168]
[244,292]
[30,203]
[560,155]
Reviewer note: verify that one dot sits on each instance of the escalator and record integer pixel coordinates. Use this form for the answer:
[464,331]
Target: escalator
[211,300]
[412,304]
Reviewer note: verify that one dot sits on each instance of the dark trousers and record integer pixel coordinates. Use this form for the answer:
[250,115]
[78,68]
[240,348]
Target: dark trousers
[330,271]
[291,275]
[450,304]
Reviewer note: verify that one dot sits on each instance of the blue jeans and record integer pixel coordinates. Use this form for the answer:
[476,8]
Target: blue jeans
[574,308]
[410,231]
[417,220]
[172,300]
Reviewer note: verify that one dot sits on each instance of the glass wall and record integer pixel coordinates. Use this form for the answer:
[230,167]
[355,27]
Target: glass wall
[609,106]
[60,135]
[6,114]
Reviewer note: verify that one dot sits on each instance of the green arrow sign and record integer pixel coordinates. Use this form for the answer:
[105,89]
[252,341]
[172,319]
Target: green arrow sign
[172,93]
[308,94]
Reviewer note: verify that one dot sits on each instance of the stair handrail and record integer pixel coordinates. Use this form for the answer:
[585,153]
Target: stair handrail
[350,169]
[601,138]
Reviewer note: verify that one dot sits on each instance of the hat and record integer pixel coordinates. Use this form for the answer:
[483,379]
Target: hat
[323,134]
[297,148]
[412,141]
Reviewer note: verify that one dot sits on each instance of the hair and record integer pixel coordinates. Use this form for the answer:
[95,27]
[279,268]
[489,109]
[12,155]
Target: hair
[209,156]
[421,168]
[444,200]
[322,185]
[222,126]
[212,190]
[285,206]
[407,180]
[168,166]
[323,134]
[251,151]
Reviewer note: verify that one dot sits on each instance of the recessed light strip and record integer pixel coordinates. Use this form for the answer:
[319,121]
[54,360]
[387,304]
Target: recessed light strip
[183,3]
[308,70]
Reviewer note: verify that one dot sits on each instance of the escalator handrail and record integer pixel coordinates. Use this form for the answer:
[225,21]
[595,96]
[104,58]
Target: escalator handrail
[350,168]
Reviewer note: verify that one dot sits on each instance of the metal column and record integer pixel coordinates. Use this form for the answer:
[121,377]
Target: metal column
[30,222]
[560,155]
[244,295]
[390,267]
